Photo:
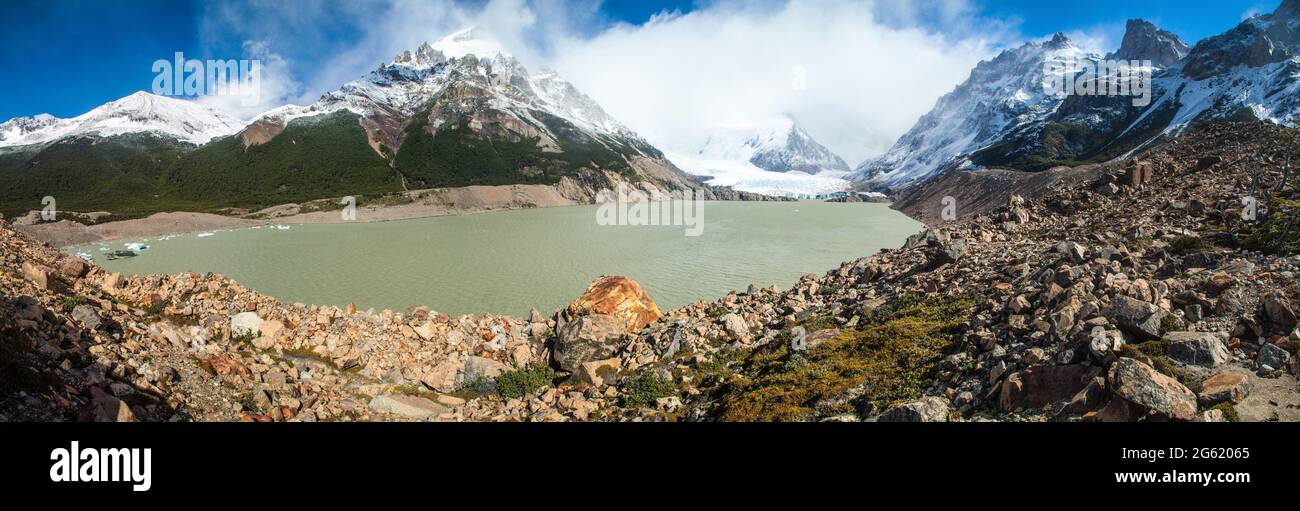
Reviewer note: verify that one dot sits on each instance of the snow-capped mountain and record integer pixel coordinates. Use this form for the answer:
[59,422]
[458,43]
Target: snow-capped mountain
[776,157]
[429,112]
[1002,93]
[141,112]
[1250,73]
[463,74]
[459,112]
[777,146]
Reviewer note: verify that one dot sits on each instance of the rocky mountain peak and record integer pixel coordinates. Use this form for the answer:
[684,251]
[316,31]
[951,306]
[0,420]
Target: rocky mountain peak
[1256,42]
[1289,9]
[1058,41]
[1143,41]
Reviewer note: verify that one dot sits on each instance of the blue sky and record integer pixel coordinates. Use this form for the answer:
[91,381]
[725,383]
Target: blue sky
[67,56]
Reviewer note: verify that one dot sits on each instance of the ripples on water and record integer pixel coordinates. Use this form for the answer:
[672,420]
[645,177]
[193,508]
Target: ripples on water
[507,262]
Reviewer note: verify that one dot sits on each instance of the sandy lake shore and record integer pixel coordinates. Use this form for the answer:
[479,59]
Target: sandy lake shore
[423,204]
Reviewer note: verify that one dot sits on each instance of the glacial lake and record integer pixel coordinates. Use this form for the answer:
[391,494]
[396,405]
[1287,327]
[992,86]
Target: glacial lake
[510,261]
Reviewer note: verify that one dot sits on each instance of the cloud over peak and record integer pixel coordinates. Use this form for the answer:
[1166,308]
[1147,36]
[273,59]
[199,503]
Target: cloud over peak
[856,74]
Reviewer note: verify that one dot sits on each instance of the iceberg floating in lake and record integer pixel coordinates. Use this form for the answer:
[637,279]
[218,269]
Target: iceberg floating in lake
[137,246]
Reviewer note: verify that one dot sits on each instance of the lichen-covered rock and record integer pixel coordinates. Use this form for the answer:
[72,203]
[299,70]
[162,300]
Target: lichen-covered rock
[620,297]
[1139,384]
[73,267]
[443,376]
[1272,356]
[591,337]
[926,409]
[1197,348]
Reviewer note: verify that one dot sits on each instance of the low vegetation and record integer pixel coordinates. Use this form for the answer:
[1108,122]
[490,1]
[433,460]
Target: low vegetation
[1155,351]
[645,389]
[893,357]
[522,382]
[72,301]
[1279,233]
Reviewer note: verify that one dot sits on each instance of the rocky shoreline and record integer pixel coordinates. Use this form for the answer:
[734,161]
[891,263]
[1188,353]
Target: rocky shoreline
[1125,296]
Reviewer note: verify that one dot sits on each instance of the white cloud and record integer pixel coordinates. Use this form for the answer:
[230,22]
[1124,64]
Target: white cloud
[867,79]
[870,68]
[272,86]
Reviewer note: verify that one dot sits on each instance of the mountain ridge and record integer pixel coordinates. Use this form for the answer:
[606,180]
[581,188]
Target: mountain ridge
[1250,72]
[439,116]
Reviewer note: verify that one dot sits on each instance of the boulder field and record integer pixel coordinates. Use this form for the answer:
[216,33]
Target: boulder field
[1098,298]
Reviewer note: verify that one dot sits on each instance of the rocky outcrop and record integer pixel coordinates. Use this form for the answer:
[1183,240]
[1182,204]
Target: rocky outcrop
[619,297]
[1144,41]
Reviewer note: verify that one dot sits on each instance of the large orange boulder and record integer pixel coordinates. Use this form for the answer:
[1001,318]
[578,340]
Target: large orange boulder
[619,297]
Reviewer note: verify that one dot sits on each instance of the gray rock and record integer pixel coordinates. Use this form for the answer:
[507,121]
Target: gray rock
[1073,250]
[1203,260]
[87,316]
[1197,348]
[478,368]
[1240,267]
[1279,310]
[735,324]
[591,337]
[1068,276]
[1272,356]
[945,252]
[926,409]
[413,407]
[1136,317]
[245,323]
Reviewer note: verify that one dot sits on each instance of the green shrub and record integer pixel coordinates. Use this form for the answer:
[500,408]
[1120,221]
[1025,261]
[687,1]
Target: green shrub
[71,302]
[245,339]
[156,308]
[1187,244]
[645,388]
[522,382]
[1229,412]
